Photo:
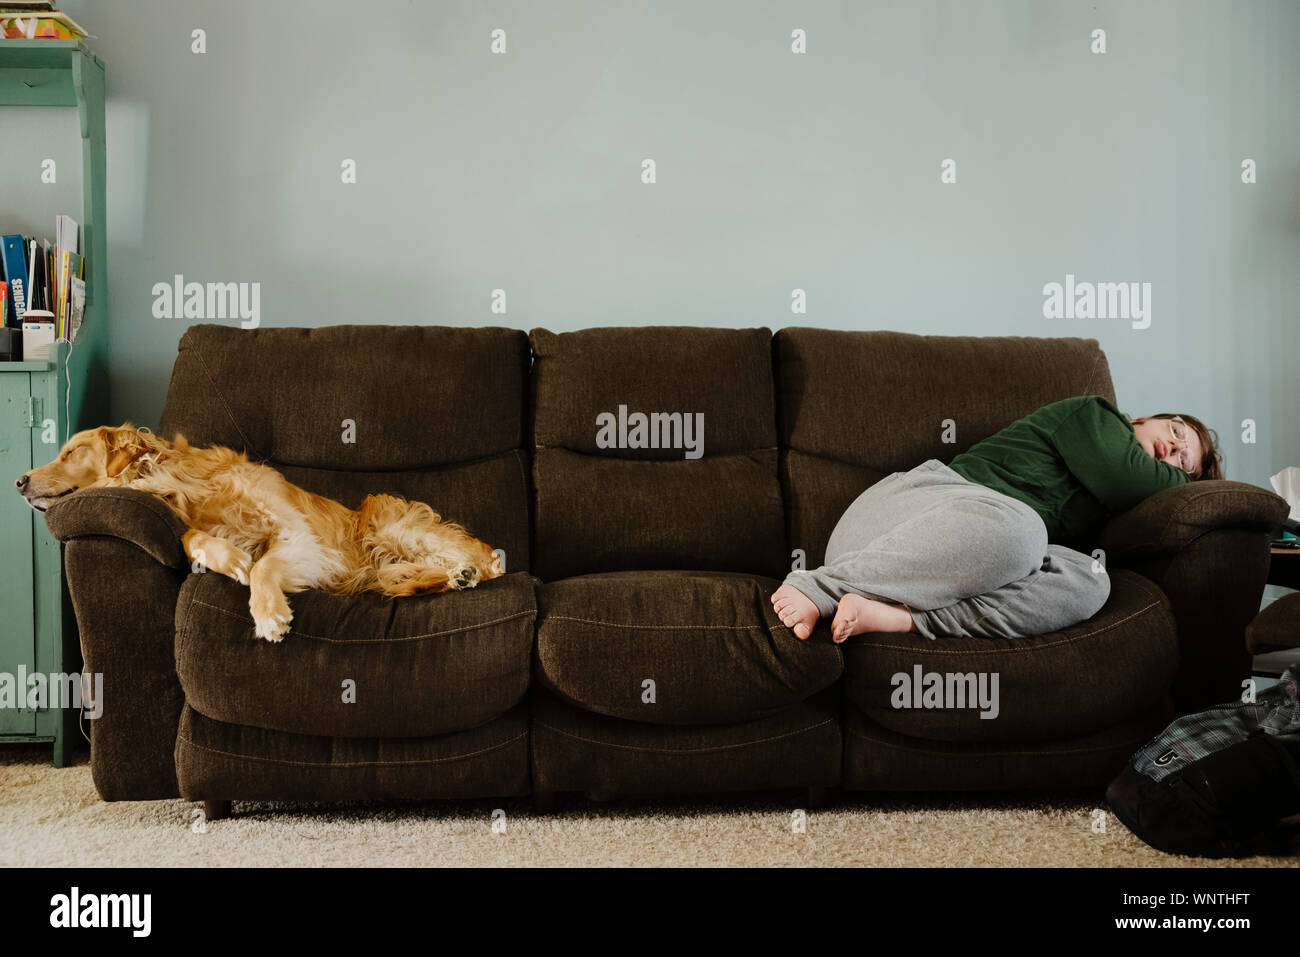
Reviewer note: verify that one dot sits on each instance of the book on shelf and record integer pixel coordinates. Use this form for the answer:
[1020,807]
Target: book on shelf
[76,305]
[69,272]
[37,21]
[12,249]
[50,279]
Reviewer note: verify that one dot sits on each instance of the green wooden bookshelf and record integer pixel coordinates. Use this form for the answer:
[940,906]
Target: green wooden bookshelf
[43,401]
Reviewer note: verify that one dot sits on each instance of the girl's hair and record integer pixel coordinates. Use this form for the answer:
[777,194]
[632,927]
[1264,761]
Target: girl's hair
[1211,456]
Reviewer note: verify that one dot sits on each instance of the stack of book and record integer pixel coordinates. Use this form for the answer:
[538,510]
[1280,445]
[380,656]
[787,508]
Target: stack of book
[44,288]
[36,20]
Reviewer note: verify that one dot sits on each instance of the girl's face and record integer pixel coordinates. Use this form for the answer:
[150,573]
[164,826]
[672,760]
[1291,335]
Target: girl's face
[1170,441]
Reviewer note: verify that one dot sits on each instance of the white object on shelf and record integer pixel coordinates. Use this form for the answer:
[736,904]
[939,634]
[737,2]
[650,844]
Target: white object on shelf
[1287,484]
[38,334]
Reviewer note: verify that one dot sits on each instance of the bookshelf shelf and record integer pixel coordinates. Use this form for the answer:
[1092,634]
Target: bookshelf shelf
[29,365]
[62,394]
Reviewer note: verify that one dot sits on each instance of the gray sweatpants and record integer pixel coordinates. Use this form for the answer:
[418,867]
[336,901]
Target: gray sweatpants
[963,559]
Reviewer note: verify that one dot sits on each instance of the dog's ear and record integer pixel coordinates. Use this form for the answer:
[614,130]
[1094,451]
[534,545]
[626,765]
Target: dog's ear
[123,446]
[180,443]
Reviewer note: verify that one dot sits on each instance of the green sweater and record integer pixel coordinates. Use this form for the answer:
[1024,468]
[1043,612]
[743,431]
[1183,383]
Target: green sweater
[1076,462]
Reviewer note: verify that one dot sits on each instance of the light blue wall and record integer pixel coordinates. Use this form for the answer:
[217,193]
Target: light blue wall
[775,171]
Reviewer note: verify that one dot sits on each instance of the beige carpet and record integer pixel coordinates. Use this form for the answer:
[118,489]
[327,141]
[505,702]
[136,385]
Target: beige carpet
[52,817]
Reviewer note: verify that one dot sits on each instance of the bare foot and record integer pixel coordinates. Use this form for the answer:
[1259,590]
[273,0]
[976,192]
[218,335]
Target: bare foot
[857,615]
[796,610]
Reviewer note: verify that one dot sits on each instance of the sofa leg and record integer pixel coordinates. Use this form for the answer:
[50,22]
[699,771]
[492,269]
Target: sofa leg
[216,810]
[816,796]
[543,802]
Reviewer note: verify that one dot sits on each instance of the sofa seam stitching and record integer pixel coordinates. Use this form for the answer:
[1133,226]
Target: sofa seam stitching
[1002,651]
[623,458]
[619,624]
[419,470]
[526,487]
[350,764]
[723,747]
[980,754]
[336,641]
[198,354]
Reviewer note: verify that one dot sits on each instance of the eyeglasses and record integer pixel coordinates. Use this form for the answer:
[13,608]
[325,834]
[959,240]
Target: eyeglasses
[1179,430]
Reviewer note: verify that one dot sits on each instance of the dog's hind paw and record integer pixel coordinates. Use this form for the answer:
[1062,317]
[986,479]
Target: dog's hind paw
[467,577]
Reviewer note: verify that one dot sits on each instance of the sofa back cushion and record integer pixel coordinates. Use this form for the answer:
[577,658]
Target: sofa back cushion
[854,407]
[655,448]
[431,413]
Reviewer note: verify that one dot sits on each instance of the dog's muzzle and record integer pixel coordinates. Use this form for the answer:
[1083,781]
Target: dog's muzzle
[38,502]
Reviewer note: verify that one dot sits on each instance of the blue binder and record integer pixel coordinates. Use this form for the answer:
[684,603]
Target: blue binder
[15,268]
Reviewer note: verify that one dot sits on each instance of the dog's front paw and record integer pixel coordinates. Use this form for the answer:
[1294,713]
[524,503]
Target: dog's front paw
[272,629]
[226,559]
[467,577]
[271,615]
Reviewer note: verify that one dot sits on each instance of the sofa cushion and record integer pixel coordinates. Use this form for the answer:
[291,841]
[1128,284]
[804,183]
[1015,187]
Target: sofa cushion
[615,493]
[435,414]
[597,514]
[855,406]
[577,750]
[419,665]
[218,761]
[1098,673]
[877,759]
[710,643]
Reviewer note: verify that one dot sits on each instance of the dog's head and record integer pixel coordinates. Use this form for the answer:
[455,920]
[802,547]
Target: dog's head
[91,459]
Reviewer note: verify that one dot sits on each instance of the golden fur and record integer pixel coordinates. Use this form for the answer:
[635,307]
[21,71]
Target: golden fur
[248,522]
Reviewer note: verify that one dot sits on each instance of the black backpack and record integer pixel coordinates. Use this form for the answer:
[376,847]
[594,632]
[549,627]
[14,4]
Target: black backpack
[1215,783]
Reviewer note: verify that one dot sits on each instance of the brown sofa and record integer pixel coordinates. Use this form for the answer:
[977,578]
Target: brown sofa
[631,647]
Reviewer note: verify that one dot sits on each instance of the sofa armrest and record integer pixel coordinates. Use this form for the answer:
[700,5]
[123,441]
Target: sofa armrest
[124,566]
[1276,628]
[1206,546]
[1169,521]
[140,518]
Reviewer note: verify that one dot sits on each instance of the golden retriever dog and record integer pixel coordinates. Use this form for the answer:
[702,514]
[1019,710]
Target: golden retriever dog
[246,521]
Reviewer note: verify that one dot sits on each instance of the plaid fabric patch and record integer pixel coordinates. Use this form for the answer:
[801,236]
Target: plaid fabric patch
[1194,736]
